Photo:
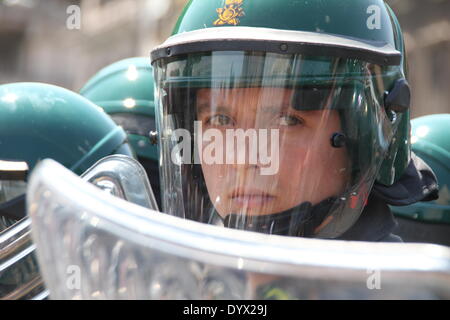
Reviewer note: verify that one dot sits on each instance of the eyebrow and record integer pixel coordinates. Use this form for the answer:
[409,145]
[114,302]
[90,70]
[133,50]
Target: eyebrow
[205,107]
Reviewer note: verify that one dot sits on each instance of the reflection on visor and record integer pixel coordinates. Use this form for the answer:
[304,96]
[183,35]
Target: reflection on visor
[280,144]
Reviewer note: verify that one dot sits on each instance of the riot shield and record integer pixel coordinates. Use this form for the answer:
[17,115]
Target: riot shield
[19,271]
[91,245]
[20,278]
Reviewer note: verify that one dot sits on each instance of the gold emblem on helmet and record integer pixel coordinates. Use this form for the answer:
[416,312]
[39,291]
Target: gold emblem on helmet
[230,13]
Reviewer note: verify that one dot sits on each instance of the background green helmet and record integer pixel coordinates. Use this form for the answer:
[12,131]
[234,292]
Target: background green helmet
[125,90]
[340,54]
[39,121]
[430,141]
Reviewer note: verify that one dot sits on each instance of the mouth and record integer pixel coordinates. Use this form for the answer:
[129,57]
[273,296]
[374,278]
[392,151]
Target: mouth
[251,199]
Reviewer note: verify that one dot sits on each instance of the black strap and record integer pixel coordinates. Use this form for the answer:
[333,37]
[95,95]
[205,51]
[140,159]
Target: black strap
[300,221]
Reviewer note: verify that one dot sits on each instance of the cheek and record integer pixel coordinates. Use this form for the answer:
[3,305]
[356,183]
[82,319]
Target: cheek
[212,176]
[294,173]
[215,179]
[313,167]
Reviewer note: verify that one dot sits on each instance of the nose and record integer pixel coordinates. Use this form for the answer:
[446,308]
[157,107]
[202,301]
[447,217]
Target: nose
[244,155]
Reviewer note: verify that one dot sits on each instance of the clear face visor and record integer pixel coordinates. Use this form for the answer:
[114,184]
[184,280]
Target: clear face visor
[278,144]
[134,123]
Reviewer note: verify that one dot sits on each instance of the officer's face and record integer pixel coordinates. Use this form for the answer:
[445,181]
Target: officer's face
[305,167]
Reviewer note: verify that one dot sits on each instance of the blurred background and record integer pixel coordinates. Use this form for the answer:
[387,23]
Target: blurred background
[37,45]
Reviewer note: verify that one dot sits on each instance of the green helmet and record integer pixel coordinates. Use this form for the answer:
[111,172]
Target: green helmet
[429,138]
[39,121]
[124,90]
[328,77]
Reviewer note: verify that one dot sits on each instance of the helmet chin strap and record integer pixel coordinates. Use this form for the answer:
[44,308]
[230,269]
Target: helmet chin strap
[299,221]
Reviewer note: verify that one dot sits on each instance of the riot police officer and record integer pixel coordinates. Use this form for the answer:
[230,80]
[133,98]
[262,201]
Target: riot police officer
[287,117]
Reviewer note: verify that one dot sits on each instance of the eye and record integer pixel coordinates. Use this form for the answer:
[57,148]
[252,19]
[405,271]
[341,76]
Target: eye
[219,120]
[289,120]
